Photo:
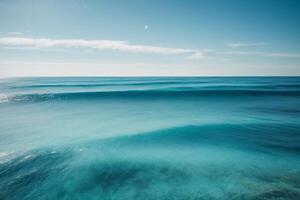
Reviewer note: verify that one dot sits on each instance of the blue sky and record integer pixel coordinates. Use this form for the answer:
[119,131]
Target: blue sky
[159,37]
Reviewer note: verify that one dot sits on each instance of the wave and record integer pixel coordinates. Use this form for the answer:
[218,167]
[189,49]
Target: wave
[108,84]
[4,98]
[171,93]
[145,166]
[272,136]
[196,84]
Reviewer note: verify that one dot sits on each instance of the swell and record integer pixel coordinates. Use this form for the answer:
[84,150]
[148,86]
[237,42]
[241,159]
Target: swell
[273,136]
[102,171]
[172,93]
[194,84]
[109,84]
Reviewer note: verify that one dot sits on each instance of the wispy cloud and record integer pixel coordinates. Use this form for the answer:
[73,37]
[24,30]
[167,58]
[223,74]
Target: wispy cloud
[283,55]
[239,44]
[15,33]
[77,64]
[196,56]
[115,45]
[264,54]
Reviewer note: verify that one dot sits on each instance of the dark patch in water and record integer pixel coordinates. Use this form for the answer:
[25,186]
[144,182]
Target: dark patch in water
[139,176]
[59,175]
[293,111]
[278,194]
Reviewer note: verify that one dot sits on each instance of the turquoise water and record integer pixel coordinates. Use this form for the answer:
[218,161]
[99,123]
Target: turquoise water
[150,138]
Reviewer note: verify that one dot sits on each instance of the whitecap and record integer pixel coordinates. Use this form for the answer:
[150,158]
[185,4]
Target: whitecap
[4,98]
[28,156]
[3,154]
[6,156]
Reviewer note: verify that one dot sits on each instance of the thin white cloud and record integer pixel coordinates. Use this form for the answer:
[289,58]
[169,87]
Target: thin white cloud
[236,45]
[196,56]
[77,64]
[265,54]
[146,27]
[283,55]
[92,45]
[11,34]
[15,33]
[11,68]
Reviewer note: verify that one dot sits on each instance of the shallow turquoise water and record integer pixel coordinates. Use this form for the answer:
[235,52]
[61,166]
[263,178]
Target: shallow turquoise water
[150,138]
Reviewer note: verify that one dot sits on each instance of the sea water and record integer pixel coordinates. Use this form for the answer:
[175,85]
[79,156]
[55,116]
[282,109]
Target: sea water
[150,138]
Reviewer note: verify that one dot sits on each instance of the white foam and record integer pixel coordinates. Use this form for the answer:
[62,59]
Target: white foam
[4,98]
[3,154]
[29,156]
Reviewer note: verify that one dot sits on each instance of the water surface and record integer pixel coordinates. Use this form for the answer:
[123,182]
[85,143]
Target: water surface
[150,138]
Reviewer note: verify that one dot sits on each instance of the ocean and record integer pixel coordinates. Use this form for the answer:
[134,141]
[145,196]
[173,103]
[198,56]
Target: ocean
[167,138]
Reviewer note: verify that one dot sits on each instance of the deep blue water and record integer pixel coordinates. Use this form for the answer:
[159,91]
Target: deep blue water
[150,138]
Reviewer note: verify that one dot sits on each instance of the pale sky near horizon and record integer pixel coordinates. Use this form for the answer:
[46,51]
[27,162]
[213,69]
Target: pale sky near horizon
[149,38]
